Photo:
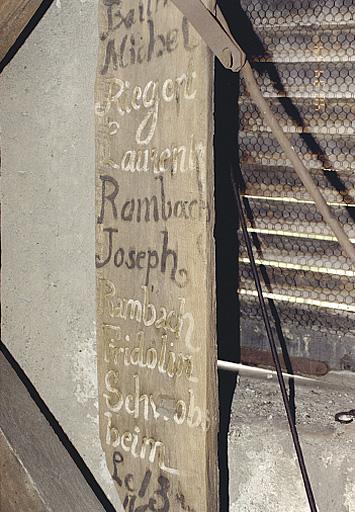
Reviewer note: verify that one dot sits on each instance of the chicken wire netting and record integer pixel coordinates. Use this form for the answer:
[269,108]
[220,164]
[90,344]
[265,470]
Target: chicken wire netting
[303,54]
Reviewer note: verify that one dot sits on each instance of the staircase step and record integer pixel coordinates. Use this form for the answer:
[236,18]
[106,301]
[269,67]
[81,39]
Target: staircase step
[295,218]
[313,288]
[317,80]
[332,44]
[277,249]
[280,183]
[302,115]
[282,13]
[319,151]
[303,56]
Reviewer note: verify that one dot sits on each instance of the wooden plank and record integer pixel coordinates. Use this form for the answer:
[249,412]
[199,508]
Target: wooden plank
[14,16]
[55,477]
[155,258]
[17,491]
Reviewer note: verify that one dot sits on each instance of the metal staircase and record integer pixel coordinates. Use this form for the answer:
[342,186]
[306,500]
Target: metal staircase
[307,72]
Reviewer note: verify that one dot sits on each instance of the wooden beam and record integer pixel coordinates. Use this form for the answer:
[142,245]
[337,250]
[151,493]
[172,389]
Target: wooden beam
[39,469]
[155,258]
[17,491]
[14,16]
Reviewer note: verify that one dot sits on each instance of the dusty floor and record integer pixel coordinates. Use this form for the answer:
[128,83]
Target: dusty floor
[264,474]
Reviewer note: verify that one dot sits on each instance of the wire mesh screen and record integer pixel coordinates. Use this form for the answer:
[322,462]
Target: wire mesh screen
[304,62]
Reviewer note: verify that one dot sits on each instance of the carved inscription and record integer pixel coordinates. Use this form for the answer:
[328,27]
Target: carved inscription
[154,258]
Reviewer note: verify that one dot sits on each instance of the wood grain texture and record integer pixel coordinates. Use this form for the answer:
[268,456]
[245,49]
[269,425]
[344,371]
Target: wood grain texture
[38,450]
[14,16]
[17,491]
[155,258]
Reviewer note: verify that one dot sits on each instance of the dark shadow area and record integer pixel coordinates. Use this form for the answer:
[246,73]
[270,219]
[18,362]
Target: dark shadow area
[74,454]
[227,272]
[26,32]
[226,228]
[227,248]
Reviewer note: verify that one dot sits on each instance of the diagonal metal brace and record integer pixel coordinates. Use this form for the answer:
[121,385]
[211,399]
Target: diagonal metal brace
[214,30]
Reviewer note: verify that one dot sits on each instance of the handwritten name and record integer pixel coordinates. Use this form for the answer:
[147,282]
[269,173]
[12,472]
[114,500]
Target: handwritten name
[139,404]
[122,98]
[148,209]
[166,362]
[119,16]
[143,447]
[144,259]
[129,47]
[175,159]
[144,312]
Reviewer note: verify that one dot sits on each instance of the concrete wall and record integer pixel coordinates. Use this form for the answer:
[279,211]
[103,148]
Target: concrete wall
[48,284]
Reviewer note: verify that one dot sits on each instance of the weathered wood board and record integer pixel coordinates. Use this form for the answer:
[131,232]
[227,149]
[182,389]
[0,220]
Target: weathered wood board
[155,258]
[38,469]
[14,16]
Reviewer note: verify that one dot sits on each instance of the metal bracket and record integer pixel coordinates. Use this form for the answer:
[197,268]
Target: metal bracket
[214,30]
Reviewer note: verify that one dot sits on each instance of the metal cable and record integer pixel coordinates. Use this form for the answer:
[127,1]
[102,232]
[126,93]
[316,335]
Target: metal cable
[275,356]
